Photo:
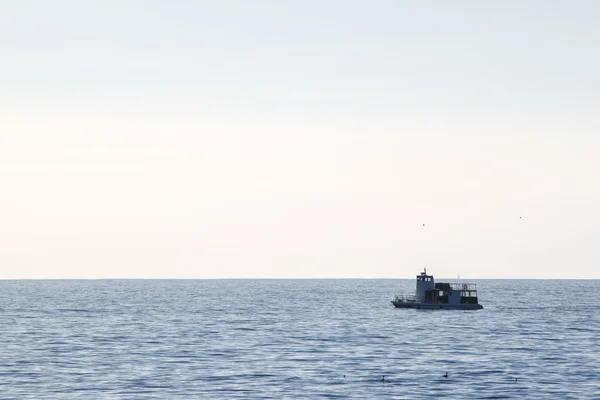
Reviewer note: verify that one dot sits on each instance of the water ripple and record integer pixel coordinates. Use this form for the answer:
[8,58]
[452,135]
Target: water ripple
[294,339]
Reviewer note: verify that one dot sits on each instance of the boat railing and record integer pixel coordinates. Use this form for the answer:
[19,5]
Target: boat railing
[463,286]
[406,297]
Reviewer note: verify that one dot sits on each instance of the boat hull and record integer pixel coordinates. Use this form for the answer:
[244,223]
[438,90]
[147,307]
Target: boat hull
[425,306]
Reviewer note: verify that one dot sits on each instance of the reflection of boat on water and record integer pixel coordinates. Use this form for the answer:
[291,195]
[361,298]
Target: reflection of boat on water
[447,296]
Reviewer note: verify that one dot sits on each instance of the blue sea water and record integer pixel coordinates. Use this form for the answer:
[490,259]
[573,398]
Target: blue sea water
[275,339]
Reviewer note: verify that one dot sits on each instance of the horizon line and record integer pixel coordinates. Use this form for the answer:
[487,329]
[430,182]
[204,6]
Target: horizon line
[265,278]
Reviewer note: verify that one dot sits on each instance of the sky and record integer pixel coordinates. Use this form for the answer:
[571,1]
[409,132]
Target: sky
[299,139]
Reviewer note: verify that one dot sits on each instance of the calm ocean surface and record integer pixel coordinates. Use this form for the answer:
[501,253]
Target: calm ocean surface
[258,339]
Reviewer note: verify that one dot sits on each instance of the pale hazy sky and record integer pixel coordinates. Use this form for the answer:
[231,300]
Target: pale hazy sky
[205,139]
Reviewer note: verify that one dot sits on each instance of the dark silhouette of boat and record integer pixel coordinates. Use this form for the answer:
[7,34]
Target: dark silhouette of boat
[447,296]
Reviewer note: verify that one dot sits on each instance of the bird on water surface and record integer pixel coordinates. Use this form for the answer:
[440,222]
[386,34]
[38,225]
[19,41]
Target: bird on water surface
[445,375]
[382,378]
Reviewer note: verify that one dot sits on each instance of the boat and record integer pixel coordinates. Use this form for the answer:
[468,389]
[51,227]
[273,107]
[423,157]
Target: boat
[446,296]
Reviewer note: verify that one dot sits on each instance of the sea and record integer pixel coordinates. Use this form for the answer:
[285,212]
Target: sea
[295,339]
